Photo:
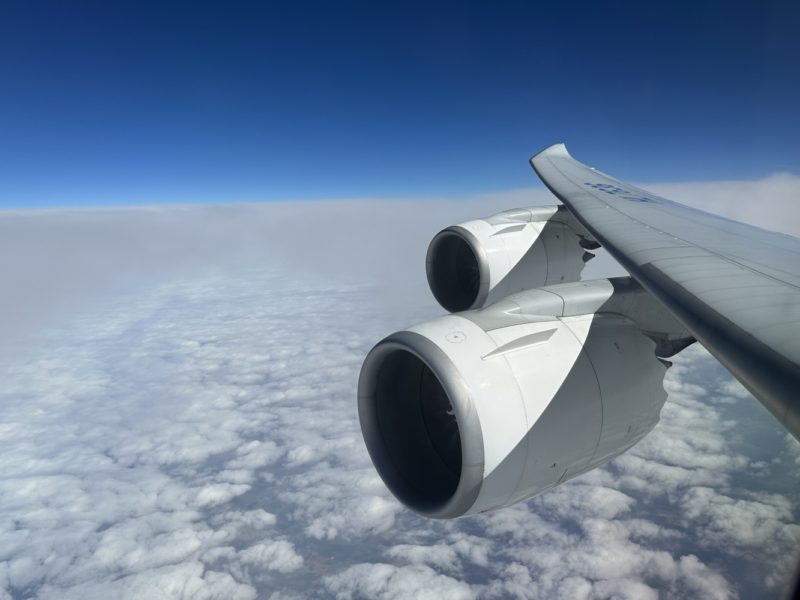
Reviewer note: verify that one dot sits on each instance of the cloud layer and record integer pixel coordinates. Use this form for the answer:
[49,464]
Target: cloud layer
[62,261]
[191,431]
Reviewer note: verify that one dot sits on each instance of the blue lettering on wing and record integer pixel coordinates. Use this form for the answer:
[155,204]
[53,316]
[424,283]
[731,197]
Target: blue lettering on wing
[613,190]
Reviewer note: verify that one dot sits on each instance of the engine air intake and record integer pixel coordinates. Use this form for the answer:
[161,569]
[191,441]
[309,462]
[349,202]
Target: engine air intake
[411,425]
[454,271]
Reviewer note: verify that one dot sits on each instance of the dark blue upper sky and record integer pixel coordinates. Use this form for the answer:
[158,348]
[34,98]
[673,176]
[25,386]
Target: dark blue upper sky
[199,102]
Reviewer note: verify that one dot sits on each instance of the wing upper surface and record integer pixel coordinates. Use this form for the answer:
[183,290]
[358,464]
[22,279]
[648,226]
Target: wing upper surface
[736,287]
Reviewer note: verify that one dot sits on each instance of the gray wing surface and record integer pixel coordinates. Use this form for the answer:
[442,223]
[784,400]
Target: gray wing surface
[734,286]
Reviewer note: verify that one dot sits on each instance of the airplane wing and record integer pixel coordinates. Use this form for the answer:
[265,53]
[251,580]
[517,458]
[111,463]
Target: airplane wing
[734,286]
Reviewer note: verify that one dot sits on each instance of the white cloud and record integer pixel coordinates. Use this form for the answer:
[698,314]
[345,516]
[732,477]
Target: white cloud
[219,493]
[439,556]
[273,556]
[192,432]
[187,581]
[74,259]
[385,582]
[792,448]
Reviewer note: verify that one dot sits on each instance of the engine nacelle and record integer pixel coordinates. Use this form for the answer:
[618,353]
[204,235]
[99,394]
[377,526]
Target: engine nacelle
[478,410]
[473,264]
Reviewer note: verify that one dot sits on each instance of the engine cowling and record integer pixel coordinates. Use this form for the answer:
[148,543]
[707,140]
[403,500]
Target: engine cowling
[473,264]
[481,409]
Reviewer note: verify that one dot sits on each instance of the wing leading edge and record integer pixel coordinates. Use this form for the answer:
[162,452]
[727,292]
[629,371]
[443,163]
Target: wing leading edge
[734,286]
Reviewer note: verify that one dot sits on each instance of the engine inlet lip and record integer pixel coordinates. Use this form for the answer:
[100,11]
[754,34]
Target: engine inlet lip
[480,256]
[472,452]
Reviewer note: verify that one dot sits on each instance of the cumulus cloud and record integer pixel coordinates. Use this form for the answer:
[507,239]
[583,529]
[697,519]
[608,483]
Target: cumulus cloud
[389,581]
[190,430]
[272,556]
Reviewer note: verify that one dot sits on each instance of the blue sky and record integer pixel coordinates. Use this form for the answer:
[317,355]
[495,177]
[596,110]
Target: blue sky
[197,102]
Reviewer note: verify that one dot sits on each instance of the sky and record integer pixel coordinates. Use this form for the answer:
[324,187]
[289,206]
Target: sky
[210,214]
[187,102]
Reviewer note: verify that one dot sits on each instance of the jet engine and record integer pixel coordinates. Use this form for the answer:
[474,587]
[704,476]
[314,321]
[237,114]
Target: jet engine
[481,409]
[473,264]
